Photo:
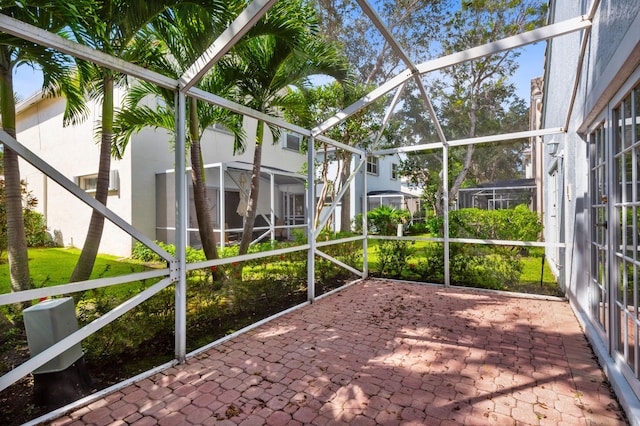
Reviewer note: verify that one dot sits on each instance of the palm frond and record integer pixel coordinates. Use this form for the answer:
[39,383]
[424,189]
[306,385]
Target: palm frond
[132,121]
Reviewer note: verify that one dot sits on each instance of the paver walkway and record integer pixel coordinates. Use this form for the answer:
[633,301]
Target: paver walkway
[383,353]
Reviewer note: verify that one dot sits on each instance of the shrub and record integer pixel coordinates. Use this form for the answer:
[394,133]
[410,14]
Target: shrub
[384,220]
[145,254]
[418,228]
[35,229]
[393,256]
[483,267]
[518,224]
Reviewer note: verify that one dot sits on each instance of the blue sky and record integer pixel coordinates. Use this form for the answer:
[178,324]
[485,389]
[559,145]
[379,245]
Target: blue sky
[531,66]
[26,81]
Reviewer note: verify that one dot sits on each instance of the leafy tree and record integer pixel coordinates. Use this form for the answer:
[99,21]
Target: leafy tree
[110,27]
[478,87]
[357,130]
[474,98]
[54,16]
[414,23]
[264,71]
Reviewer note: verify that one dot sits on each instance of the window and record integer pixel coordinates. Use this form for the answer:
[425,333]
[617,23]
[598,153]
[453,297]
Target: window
[372,165]
[291,141]
[89,183]
[394,171]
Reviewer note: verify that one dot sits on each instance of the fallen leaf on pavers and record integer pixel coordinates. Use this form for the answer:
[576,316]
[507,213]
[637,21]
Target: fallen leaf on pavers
[232,411]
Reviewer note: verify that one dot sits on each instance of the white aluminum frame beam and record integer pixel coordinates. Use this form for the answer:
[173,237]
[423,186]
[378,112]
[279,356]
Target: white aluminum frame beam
[225,41]
[243,110]
[529,37]
[45,38]
[578,74]
[430,109]
[513,42]
[74,189]
[377,21]
[472,141]
[37,293]
[384,31]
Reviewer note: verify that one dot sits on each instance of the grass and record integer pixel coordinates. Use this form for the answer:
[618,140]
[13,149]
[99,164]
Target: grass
[53,266]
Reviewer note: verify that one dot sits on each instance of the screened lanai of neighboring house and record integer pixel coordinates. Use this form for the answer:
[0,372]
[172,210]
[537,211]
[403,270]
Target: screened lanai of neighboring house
[585,149]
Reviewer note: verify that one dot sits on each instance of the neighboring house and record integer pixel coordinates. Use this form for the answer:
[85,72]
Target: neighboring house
[142,183]
[505,194]
[592,181]
[384,186]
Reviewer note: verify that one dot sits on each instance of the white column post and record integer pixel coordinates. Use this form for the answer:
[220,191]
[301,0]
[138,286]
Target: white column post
[222,206]
[365,228]
[180,279]
[445,209]
[311,209]
[273,209]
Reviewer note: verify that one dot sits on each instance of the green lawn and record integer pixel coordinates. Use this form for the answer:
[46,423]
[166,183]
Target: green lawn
[53,266]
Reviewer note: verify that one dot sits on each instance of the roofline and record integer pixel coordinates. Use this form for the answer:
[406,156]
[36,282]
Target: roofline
[34,98]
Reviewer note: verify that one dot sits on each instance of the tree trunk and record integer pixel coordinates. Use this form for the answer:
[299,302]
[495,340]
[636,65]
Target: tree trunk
[16,240]
[322,197]
[87,259]
[252,202]
[473,119]
[453,193]
[203,214]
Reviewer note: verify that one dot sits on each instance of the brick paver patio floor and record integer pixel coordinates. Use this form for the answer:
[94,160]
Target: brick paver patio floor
[383,353]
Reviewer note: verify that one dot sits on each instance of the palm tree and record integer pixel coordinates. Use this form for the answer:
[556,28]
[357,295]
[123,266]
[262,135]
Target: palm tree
[53,16]
[110,28]
[182,36]
[266,68]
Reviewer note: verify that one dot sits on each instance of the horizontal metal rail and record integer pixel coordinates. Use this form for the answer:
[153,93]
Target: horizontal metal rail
[472,241]
[37,293]
[340,241]
[245,257]
[43,357]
